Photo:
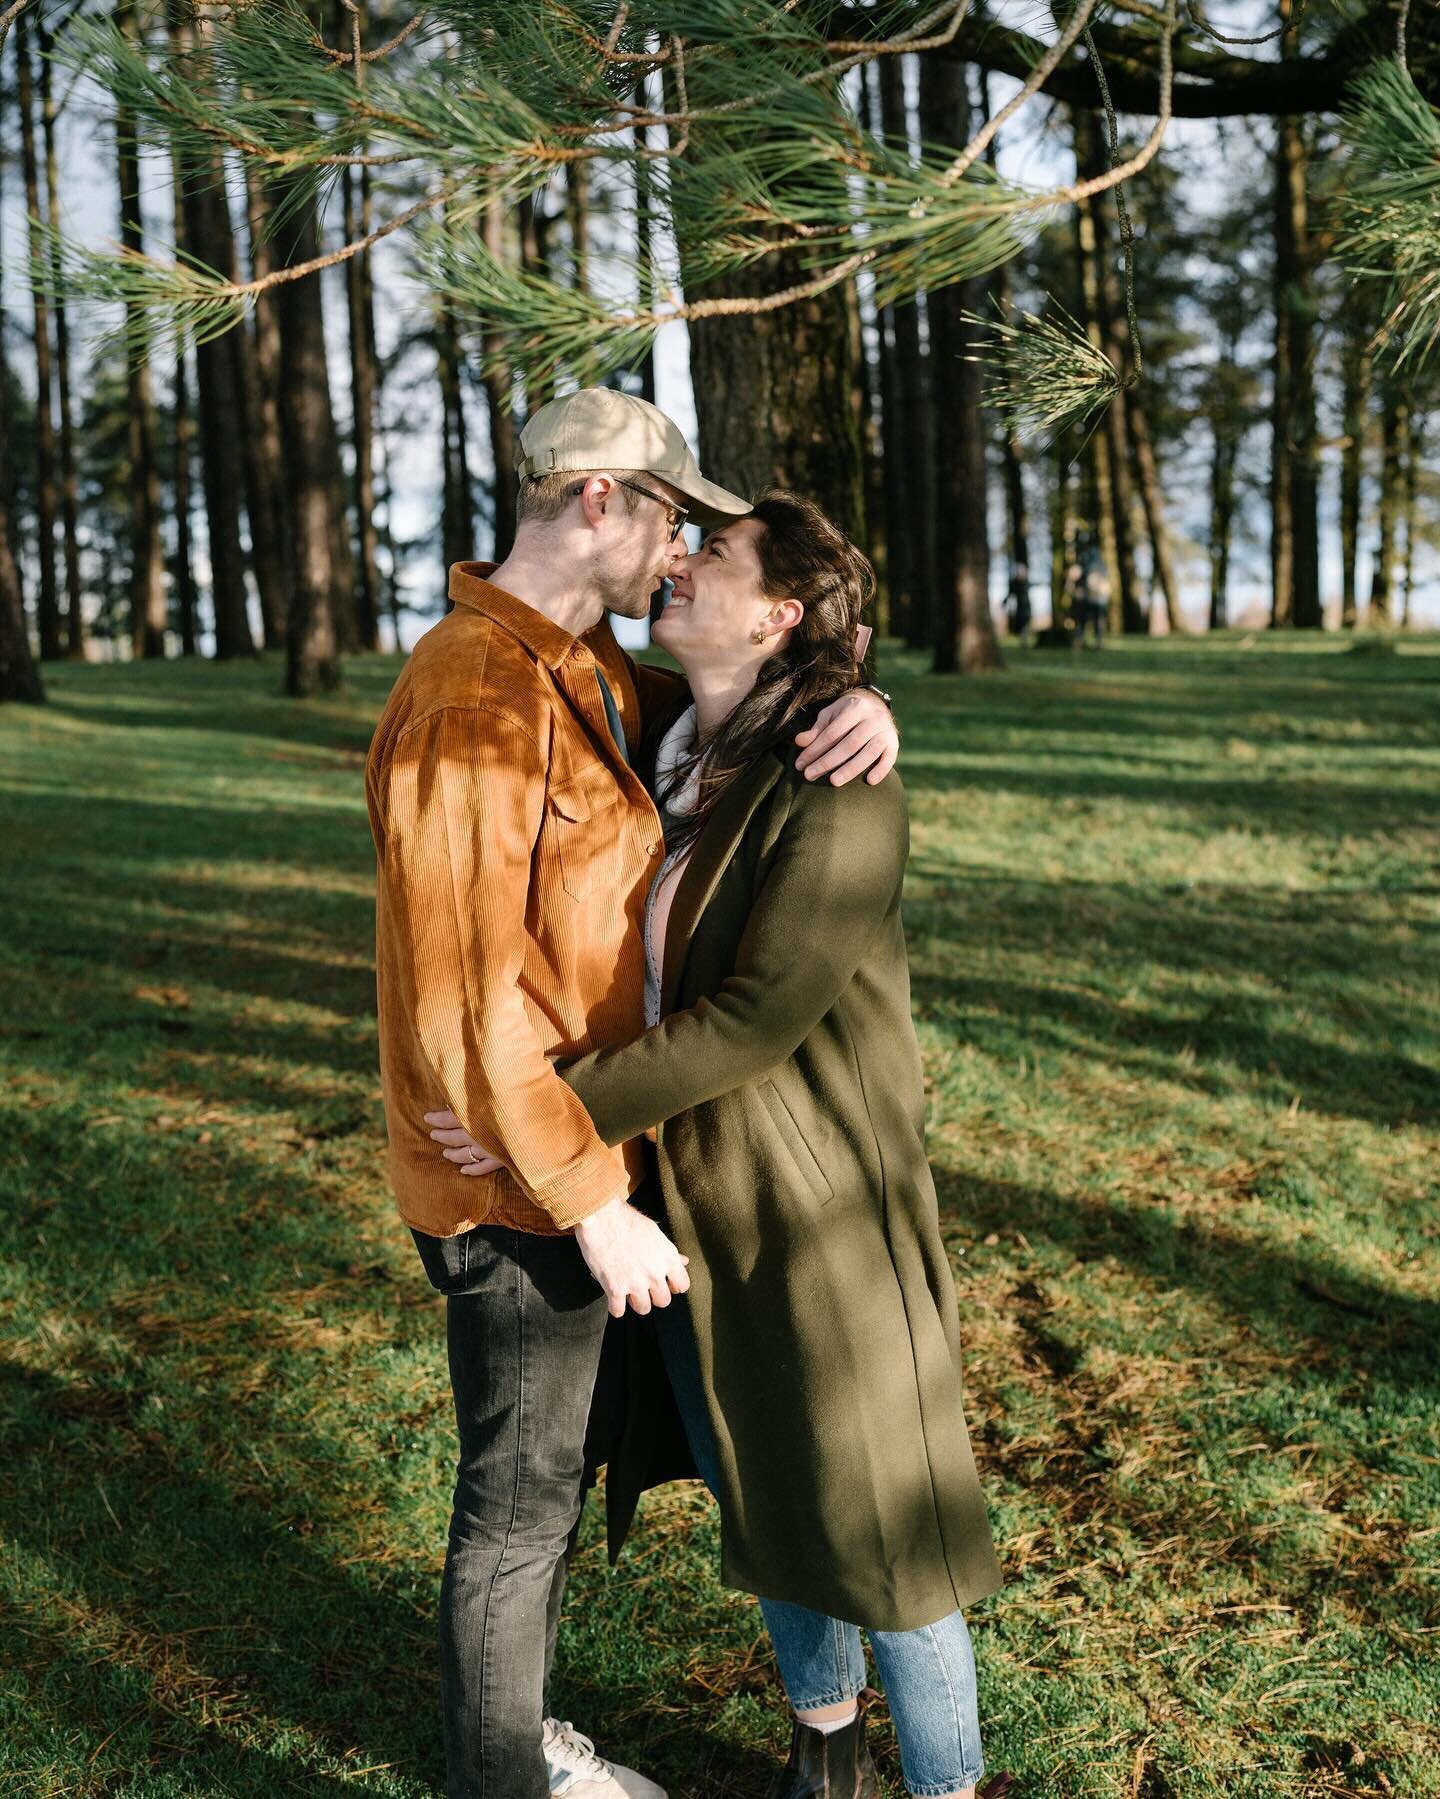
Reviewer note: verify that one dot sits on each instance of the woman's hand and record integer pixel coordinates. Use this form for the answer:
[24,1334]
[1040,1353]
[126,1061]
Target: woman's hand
[462,1148]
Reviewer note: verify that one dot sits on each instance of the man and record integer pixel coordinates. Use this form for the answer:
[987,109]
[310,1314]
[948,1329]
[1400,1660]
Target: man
[515,848]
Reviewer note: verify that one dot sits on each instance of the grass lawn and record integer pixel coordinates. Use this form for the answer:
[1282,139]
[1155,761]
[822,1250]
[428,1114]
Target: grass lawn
[1173,916]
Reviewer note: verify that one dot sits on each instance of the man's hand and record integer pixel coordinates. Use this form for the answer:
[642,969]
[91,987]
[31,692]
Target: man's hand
[462,1149]
[634,1261]
[854,735]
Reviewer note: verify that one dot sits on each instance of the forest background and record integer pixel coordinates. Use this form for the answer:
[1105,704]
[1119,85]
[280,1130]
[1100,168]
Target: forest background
[1171,907]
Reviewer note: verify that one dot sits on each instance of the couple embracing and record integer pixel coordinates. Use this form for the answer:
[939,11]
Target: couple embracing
[655,1107]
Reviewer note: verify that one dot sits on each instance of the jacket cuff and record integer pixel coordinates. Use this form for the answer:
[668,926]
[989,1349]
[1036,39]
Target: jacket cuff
[584,1188]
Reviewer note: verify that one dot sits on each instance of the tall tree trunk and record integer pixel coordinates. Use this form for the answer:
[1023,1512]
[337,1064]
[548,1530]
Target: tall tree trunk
[457,521]
[1222,520]
[69,482]
[19,677]
[643,247]
[874,534]
[1110,445]
[265,458]
[1295,554]
[187,598]
[910,445]
[497,405]
[312,647]
[1060,533]
[1412,495]
[964,628]
[363,401]
[577,220]
[1394,430]
[147,561]
[46,497]
[1355,381]
[210,237]
[264,462]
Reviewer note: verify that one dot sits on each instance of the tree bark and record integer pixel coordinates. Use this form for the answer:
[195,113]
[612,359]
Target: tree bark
[46,497]
[457,520]
[1394,433]
[501,420]
[910,442]
[1222,521]
[148,600]
[311,641]
[182,573]
[1412,495]
[257,365]
[210,237]
[69,483]
[1295,481]
[964,637]
[1110,445]
[19,677]
[1356,377]
[359,293]
[643,248]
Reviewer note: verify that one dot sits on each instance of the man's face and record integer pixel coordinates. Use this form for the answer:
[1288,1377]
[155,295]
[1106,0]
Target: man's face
[635,553]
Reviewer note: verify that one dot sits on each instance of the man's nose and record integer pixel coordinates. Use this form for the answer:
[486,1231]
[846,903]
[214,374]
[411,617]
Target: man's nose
[679,554]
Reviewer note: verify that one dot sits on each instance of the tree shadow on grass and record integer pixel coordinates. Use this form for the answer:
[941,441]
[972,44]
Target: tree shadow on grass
[1303,1304]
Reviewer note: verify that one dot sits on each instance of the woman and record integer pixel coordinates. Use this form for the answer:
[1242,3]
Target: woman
[815,1360]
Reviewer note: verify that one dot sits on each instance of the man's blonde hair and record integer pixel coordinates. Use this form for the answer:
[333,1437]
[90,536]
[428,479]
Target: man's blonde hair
[543,498]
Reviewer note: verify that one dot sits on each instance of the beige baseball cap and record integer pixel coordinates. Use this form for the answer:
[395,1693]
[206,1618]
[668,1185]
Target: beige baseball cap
[598,428]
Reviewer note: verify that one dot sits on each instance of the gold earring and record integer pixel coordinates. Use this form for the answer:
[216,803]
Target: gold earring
[757,636]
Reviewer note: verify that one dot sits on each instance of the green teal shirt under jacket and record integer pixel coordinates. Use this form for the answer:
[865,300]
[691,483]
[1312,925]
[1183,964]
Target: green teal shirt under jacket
[785,1080]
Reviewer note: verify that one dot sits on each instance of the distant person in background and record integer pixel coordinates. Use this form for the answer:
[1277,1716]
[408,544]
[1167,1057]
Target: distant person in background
[1091,602]
[1017,604]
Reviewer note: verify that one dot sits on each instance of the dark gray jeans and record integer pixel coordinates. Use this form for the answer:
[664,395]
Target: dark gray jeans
[525,1323]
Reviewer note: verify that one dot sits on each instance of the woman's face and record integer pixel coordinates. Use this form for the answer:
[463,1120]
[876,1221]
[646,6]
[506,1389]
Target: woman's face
[717,603]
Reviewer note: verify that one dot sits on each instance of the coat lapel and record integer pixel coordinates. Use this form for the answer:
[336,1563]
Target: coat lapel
[708,861]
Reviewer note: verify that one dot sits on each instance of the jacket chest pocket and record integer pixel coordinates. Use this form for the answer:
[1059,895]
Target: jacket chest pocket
[792,1142]
[582,822]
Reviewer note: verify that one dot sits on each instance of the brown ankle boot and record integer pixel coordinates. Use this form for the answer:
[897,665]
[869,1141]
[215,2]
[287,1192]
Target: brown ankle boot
[828,1765]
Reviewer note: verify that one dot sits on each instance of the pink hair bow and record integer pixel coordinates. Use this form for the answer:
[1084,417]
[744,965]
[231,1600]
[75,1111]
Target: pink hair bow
[863,634]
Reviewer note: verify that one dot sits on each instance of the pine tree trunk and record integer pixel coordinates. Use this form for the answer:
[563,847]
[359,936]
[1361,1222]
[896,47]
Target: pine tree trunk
[265,455]
[187,597]
[1394,430]
[1412,495]
[643,247]
[1295,554]
[1222,521]
[1110,445]
[501,420]
[210,237]
[69,483]
[1355,380]
[457,521]
[363,402]
[46,495]
[875,536]
[148,603]
[19,677]
[312,647]
[1060,533]
[910,441]
[964,637]
[1147,480]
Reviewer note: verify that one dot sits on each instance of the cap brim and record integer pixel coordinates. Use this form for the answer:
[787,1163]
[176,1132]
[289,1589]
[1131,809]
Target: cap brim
[707,503]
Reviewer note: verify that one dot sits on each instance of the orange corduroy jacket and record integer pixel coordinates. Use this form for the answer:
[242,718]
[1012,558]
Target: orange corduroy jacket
[515,848]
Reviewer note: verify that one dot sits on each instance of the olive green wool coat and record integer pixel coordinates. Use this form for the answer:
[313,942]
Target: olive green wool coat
[785,1082]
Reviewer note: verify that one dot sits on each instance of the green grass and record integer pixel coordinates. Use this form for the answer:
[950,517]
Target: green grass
[1173,916]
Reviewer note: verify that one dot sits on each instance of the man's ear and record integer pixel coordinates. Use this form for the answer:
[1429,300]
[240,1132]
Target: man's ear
[595,496]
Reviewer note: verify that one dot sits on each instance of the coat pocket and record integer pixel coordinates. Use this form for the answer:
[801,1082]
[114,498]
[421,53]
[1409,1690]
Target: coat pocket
[582,826]
[792,1138]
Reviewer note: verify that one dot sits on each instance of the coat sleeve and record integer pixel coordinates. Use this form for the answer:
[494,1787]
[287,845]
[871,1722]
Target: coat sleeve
[833,879]
[466,793]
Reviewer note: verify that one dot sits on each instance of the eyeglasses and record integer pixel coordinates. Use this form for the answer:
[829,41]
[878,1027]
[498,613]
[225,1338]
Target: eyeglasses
[678,514]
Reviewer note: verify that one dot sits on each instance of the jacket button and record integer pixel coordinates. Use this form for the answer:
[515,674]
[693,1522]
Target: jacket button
[655,848]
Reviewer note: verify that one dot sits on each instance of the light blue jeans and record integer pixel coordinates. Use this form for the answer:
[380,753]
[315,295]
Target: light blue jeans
[928,1674]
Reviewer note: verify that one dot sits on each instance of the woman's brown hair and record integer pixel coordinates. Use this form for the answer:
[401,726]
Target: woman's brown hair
[804,557]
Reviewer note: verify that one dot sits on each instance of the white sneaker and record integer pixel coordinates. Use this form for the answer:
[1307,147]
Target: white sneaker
[577,1772]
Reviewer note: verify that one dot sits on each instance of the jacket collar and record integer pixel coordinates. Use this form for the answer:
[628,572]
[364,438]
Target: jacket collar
[544,639]
[713,852]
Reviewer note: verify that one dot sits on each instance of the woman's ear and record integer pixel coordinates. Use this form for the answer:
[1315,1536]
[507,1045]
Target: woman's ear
[785,615]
